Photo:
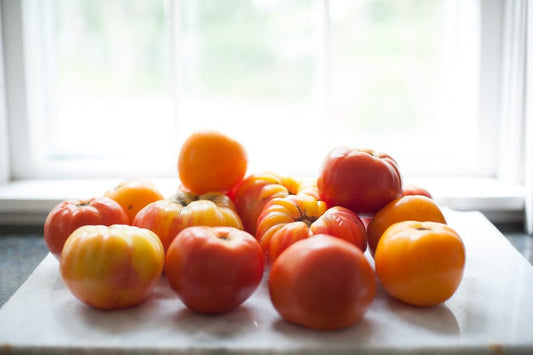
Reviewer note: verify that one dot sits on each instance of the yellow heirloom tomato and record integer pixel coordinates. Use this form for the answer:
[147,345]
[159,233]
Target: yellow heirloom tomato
[111,267]
[184,209]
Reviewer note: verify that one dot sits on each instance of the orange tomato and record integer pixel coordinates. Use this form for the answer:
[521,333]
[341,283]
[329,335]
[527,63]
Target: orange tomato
[420,263]
[134,194]
[322,283]
[211,161]
[284,221]
[406,208]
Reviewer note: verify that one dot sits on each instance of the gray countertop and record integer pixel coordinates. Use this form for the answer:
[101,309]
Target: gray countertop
[21,250]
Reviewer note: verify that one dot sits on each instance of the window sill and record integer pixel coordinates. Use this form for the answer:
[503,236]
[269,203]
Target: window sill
[29,201]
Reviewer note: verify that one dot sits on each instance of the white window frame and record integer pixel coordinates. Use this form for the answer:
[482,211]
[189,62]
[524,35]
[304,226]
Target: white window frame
[5,167]
[504,199]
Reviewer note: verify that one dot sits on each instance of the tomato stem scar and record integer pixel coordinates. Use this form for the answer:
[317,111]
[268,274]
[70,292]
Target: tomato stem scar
[84,203]
[184,198]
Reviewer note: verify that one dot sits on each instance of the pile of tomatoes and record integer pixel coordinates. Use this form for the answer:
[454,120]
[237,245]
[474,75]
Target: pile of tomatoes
[216,235]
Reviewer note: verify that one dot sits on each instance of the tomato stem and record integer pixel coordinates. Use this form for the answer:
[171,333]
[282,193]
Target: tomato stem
[308,220]
[184,198]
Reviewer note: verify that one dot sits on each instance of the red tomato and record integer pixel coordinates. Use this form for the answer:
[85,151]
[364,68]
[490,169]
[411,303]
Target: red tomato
[362,180]
[168,217]
[214,269]
[322,283]
[412,189]
[68,215]
[420,263]
[284,221]
[112,267]
[342,223]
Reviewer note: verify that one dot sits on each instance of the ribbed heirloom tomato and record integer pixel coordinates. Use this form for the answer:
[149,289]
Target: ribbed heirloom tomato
[168,217]
[406,208]
[285,221]
[211,161]
[322,282]
[253,193]
[420,263]
[68,215]
[133,194]
[112,267]
[214,269]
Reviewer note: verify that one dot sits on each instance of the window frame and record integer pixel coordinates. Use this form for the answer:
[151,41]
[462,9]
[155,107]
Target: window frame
[4,136]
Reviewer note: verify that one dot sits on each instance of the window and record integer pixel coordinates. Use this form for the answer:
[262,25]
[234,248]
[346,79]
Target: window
[111,88]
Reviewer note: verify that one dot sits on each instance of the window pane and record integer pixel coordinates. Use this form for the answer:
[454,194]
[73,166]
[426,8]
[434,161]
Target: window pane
[109,80]
[250,69]
[122,83]
[404,80]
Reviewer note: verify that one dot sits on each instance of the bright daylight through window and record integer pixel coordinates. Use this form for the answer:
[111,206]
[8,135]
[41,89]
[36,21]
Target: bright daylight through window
[113,87]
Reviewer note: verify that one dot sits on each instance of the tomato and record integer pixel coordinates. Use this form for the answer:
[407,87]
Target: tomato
[133,194]
[184,209]
[322,283]
[284,221]
[112,267]
[68,215]
[253,193]
[342,223]
[308,187]
[414,208]
[211,161]
[214,269]
[412,189]
[420,263]
[361,180]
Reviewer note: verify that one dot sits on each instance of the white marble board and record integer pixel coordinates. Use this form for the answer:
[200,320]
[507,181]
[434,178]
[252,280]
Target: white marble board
[491,312]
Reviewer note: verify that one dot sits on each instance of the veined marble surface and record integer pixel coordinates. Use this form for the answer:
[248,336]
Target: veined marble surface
[491,312]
